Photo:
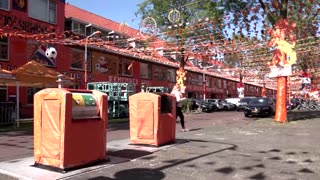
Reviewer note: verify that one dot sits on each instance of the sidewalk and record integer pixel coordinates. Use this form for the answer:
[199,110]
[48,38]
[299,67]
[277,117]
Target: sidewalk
[258,150]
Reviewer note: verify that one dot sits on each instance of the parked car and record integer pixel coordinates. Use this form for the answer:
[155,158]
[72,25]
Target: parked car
[260,106]
[205,106]
[228,106]
[243,102]
[216,102]
[233,101]
[213,106]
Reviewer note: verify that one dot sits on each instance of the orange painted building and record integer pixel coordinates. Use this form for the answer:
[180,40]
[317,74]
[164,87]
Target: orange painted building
[118,59]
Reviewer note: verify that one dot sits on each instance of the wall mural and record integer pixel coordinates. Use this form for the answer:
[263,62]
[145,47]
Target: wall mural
[105,64]
[37,51]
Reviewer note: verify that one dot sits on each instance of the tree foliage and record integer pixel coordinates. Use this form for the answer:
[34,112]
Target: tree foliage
[192,28]
[239,29]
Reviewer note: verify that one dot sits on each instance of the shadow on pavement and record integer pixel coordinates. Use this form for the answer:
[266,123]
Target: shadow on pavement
[135,173]
[302,115]
[157,174]
[129,153]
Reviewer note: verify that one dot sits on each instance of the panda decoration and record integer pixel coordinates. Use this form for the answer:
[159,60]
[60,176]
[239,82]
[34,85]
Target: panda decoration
[51,53]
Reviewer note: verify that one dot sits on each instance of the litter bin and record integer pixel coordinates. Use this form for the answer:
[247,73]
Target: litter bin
[152,118]
[69,127]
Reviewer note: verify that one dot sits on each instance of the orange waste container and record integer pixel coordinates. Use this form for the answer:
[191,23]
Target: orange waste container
[152,118]
[69,127]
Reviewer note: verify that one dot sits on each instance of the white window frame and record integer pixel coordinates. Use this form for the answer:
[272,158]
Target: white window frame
[47,18]
[51,2]
[79,28]
[8,8]
[5,43]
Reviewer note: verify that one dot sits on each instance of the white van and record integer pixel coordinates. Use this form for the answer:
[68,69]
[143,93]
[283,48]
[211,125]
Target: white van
[233,101]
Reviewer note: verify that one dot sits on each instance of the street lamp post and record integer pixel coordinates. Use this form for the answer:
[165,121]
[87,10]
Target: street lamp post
[86,57]
[204,84]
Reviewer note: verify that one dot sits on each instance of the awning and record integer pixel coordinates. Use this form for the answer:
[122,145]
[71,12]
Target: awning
[6,77]
[34,74]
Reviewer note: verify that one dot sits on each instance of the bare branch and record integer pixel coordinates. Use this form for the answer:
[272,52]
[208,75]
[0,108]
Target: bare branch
[284,9]
[267,11]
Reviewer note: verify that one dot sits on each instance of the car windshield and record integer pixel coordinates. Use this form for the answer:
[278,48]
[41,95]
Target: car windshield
[258,101]
[245,100]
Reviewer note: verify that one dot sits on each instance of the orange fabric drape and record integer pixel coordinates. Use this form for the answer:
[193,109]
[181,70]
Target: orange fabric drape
[281,108]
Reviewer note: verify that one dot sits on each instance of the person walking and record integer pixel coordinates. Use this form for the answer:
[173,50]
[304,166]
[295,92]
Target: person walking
[176,91]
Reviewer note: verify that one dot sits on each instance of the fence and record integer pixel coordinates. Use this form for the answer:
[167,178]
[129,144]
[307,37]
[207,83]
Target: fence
[7,113]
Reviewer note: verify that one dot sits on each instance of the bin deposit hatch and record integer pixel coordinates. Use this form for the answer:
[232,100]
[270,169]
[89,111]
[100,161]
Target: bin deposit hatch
[84,106]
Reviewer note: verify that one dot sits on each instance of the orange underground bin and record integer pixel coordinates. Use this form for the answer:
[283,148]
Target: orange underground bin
[69,127]
[152,118]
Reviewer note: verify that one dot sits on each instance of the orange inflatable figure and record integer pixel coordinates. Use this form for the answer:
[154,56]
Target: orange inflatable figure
[283,49]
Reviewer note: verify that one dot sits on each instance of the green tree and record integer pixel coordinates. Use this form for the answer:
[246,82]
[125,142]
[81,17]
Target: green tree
[178,21]
[245,13]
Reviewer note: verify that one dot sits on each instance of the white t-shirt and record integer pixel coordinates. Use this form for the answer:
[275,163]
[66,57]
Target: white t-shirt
[179,97]
[306,80]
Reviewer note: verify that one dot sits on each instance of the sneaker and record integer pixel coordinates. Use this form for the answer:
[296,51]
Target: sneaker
[185,130]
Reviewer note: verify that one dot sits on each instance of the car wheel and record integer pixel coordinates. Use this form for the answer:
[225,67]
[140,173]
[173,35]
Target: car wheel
[246,114]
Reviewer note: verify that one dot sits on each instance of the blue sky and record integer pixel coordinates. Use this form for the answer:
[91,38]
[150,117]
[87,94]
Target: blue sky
[116,10]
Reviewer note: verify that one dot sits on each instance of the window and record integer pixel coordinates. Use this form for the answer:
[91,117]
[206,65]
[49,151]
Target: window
[4,49]
[30,93]
[199,79]
[52,12]
[125,67]
[77,59]
[207,79]
[224,84]
[145,71]
[20,5]
[44,10]
[160,73]
[3,94]
[79,28]
[4,4]
[171,75]
[219,83]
